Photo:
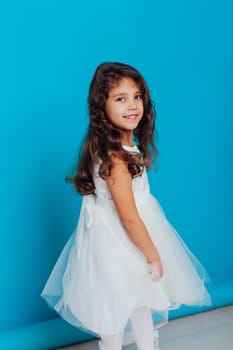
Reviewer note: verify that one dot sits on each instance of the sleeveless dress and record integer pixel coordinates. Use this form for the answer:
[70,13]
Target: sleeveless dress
[100,277]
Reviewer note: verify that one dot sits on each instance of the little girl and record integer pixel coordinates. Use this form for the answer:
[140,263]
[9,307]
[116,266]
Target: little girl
[125,266]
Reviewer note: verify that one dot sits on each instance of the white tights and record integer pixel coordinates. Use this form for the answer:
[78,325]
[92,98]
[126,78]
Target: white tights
[142,325]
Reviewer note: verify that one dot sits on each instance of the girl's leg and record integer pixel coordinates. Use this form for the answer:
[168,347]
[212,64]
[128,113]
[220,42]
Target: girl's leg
[142,325]
[111,342]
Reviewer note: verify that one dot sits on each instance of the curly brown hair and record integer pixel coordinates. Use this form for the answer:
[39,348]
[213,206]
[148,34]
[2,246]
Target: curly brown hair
[103,139]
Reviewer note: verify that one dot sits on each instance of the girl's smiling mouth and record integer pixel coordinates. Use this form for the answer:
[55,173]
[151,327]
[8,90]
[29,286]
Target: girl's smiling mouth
[131,116]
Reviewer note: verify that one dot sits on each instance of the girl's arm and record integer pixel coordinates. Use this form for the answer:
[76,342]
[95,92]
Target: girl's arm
[120,186]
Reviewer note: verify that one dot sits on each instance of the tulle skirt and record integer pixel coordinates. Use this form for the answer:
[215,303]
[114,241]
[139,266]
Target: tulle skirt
[100,277]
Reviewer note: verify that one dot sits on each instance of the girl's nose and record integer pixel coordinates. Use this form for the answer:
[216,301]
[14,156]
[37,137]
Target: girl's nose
[132,104]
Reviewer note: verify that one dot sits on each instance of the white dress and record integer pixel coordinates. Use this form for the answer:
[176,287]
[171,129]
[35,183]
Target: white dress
[100,277]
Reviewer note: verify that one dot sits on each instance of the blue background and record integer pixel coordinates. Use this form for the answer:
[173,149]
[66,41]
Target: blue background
[49,51]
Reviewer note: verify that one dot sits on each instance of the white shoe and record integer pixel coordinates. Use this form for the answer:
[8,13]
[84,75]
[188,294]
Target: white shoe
[156,339]
[100,345]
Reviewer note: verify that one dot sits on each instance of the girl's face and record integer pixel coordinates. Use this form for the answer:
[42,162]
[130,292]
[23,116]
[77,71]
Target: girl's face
[124,105]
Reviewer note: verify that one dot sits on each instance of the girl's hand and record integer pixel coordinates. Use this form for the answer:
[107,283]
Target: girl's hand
[155,270]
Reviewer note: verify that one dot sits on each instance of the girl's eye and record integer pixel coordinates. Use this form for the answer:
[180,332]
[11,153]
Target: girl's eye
[121,98]
[138,97]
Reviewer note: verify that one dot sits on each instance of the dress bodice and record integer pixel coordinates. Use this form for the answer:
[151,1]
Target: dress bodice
[140,185]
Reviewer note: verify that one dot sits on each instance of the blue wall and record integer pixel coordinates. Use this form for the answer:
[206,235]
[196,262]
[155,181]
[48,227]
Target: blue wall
[49,52]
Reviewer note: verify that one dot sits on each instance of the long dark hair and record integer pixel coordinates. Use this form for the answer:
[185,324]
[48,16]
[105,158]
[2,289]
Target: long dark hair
[104,139]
